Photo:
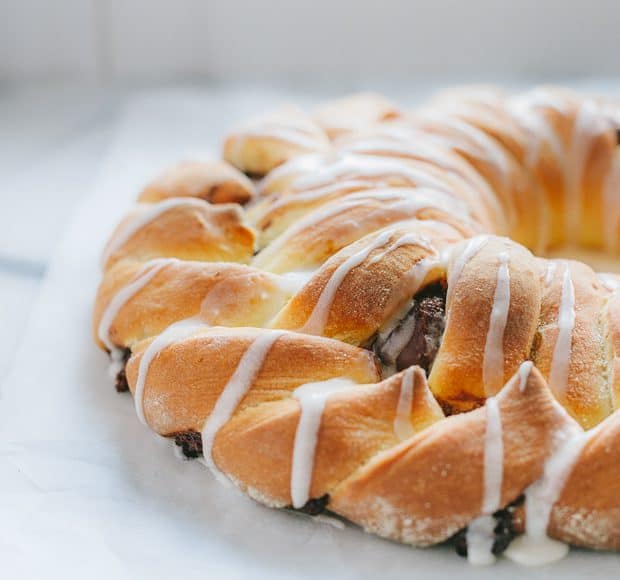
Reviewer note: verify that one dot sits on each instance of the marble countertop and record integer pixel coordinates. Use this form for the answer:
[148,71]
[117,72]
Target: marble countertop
[51,143]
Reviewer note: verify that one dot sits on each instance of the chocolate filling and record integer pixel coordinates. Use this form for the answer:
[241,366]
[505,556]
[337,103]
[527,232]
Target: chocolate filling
[314,507]
[190,443]
[504,531]
[416,338]
[120,381]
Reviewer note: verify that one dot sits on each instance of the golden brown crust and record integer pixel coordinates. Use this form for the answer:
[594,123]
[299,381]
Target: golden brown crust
[354,112]
[588,393]
[457,375]
[188,229]
[384,282]
[204,363]
[587,512]
[255,448]
[491,148]
[214,181]
[571,167]
[321,233]
[308,182]
[612,316]
[219,293]
[398,140]
[430,486]
[266,142]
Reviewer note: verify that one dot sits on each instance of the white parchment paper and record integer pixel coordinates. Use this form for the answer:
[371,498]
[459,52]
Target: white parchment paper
[87,492]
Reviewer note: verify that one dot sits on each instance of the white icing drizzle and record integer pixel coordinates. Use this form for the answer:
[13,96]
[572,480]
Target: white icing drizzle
[403,428]
[493,458]
[288,125]
[480,536]
[312,398]
[148,271]
[318,317]
[365,166]
[524,373]
[316,194]
[546,97]
[142,278]
[175,332]
[560,361]
[408,200]
[403,146]
[299,164]
[538,131]
[146,214]
[413,199]
[414,277]
[528,113]
[485,116]
[283,133]
[409,148]
[409,239]
[233,392]
[472,247]
[492,150]
[294,281]
[493,360]
[416,145]
[550,271]
[534,547]
[609,280]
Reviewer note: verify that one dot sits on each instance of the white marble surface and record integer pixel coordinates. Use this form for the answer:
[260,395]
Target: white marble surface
[52,140]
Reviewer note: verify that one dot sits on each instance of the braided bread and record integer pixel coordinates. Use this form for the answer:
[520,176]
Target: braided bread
[366,330]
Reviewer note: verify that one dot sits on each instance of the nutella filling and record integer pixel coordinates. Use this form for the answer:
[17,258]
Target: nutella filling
[314,507]
[416,338]
[190,443]
[120,381]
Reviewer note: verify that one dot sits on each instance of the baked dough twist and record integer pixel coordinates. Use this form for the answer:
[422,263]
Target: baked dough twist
[290,341]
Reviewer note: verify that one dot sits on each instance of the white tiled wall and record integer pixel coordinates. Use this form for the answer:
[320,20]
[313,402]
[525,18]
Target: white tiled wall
[234,39]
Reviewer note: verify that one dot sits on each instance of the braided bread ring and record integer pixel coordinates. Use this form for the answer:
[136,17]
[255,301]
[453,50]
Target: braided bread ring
[290,342]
